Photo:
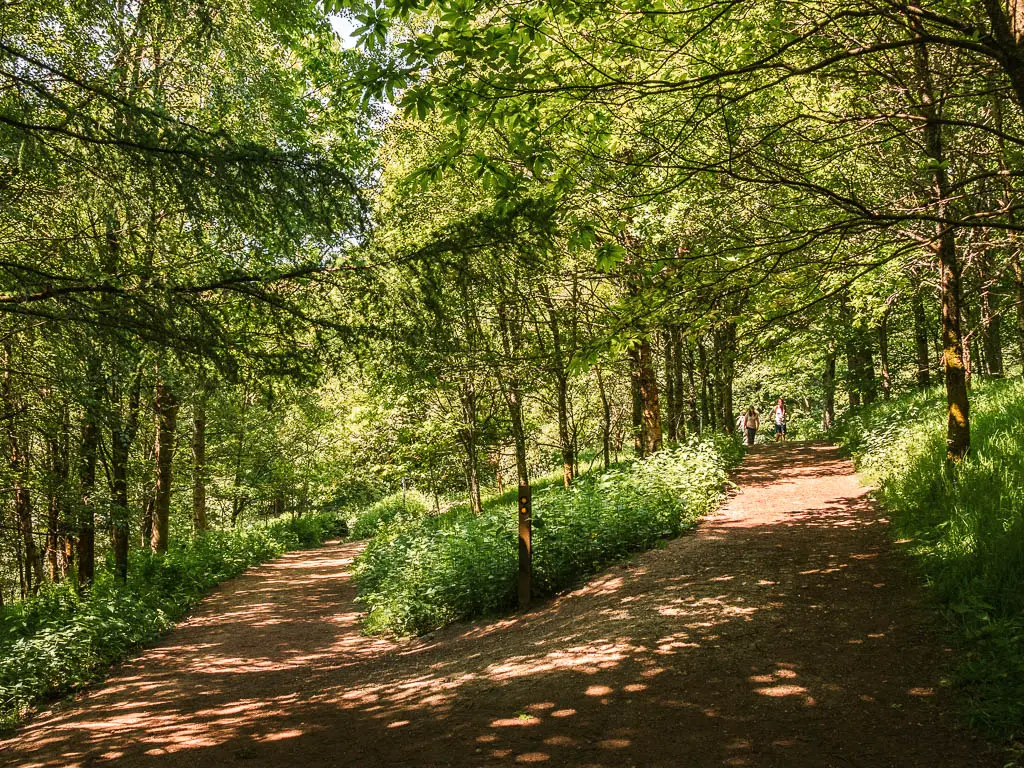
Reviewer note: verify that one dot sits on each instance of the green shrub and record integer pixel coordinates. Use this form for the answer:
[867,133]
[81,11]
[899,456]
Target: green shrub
[965,526]
[405,504]
[58,640]
[417,574]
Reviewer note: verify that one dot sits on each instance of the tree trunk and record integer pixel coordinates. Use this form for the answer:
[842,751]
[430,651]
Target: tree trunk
[991,320]
[18,461]
[238,503]
[121,442]
[23,513]
[883,353]
[725,343]
[651,406]
[866,367]
[670,387]
[852,370]
[1018,283]
[924,376]
[606,420]
[968,359]
[638,402]
[691,392]
[467,398]
[561,376]
[707,391]
[87,512]
[57,506]
[1005,37]
[565,442]
[958,427]
[199,522]
[513,398]
[146,527]
[828,385]
[677,420]
[166,406]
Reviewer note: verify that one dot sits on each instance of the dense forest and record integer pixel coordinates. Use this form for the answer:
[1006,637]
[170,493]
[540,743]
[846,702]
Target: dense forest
[254,269]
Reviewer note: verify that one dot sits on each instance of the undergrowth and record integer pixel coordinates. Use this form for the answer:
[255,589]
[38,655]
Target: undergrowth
[364,523]
[964,525]
[419,573]
[58,640]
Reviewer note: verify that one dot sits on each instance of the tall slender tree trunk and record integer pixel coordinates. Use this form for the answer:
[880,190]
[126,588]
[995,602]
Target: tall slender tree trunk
[166,406]
[852,385]
[828,386]
[883,353]
[691,392]
[121,442]
[924,376]
[1018,284]
[238,503]
[120,446]
[510,387]
[991,320]
[199,522]
[606,420]
[18,462]
[725,343]
[23,514]
[120,512]
[57,516]
[638,402]
[559,367]
[86,549]
[467,399]
[707,411]
[670,386]
[677,418]
[86,543]
[565,442]
[19,557]
[958,425]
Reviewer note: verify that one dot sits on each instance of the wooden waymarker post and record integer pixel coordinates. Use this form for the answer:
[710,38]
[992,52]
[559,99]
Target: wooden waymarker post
[525,544]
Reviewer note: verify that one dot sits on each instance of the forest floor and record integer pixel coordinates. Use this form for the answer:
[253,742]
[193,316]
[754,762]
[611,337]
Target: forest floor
[785,631]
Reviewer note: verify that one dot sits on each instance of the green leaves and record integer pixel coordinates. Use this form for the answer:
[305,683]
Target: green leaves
[609,256]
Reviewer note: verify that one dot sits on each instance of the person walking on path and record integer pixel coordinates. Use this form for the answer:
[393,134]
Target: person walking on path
[780,420]
[751,423]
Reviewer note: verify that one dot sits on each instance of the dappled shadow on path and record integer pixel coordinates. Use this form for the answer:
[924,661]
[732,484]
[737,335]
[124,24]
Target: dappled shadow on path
[783,633]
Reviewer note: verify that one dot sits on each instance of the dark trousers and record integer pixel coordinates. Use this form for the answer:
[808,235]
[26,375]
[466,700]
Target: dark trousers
[751,432]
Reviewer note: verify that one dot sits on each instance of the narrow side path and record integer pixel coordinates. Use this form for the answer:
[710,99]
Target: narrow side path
[785,632]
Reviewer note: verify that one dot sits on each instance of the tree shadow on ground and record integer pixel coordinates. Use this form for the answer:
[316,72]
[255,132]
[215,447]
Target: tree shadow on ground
[790,637]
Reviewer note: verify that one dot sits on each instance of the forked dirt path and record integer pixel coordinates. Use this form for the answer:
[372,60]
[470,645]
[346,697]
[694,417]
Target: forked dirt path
[784,632]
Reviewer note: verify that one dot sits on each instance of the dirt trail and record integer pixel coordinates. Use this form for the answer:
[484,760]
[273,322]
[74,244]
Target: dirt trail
[784,632]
